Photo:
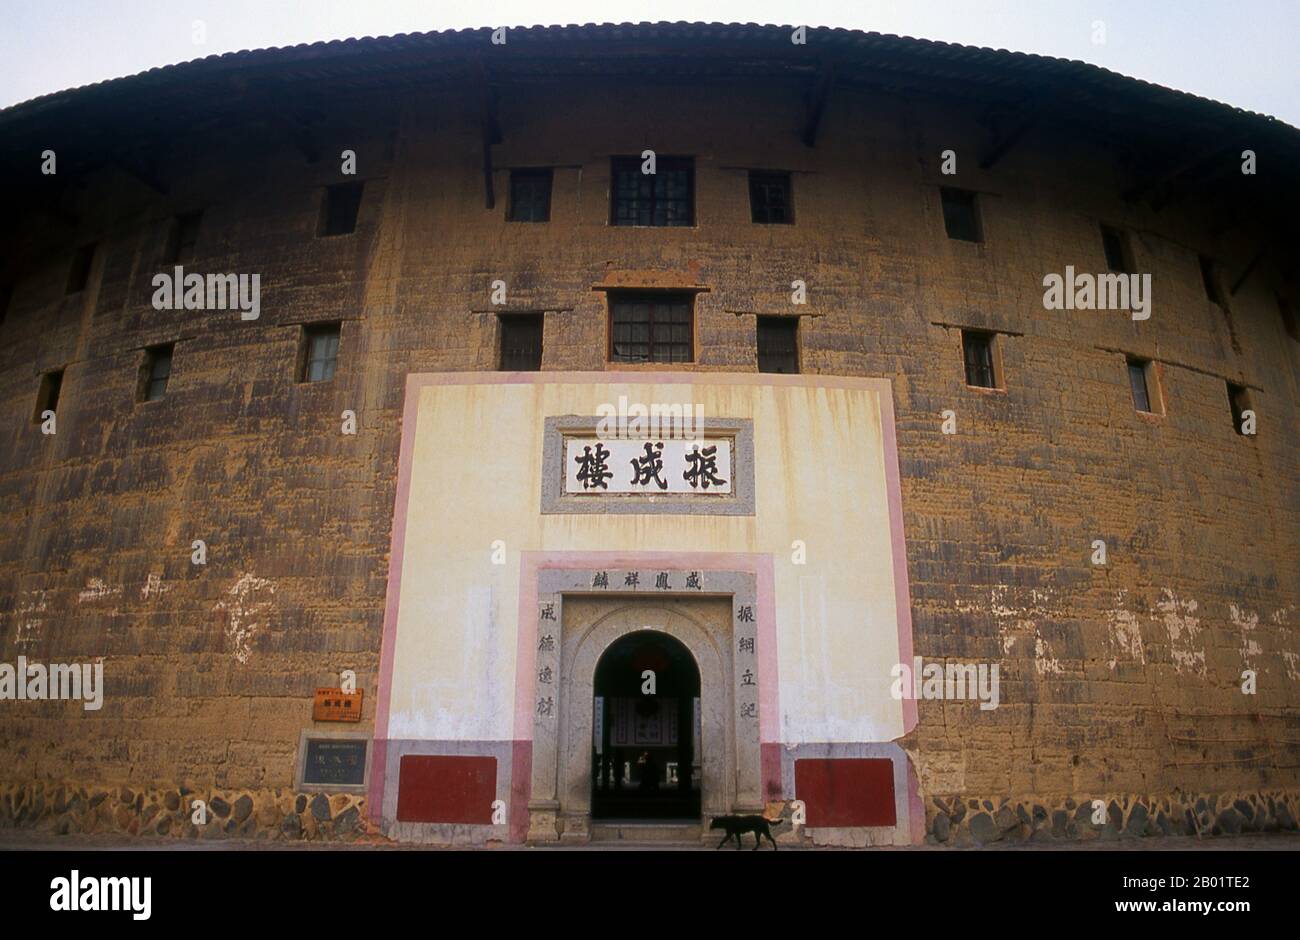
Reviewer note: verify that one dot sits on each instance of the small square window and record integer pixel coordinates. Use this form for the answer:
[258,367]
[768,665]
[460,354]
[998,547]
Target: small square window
[663,198]
[961,215]
[521,342]
[530,195]
[155,372]
[1239,400]
[1210,278]
[1141,379]
[79,272]
[778,344]
[651,326]
[981,358]
[339,209]
[320,352]
[47,394]
[770,200]
[1115,244]
[183,238]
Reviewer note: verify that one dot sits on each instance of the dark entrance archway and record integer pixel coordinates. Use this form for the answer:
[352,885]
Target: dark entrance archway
[646,757]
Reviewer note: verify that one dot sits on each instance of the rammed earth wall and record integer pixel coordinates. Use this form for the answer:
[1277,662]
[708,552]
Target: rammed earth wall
[1117,680]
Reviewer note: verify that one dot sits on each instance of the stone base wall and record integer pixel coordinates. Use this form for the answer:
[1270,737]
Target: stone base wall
[280,815]
[961,821]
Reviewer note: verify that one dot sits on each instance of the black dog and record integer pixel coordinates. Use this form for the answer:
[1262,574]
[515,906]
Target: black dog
[737,825]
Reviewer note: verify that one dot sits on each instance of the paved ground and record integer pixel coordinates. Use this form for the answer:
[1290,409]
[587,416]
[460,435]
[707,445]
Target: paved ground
[34,840]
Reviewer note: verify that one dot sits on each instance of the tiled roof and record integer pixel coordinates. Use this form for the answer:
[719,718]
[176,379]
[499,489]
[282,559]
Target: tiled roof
[988,68]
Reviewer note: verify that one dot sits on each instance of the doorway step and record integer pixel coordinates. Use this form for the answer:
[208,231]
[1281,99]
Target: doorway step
[647,833]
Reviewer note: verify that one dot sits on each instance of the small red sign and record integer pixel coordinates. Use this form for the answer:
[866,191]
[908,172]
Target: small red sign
[336,705]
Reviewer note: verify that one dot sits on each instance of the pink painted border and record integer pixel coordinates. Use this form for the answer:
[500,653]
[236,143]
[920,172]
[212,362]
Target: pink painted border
[768,714]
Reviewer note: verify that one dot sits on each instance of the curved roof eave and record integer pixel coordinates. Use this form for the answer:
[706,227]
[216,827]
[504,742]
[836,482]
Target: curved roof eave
[340,53]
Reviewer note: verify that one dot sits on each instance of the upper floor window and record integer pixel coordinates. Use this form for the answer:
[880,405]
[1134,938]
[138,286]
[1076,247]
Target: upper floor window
[155,372]
[1141,379]
[769,198]
[778,344]
[79,272]
[521,342]
[339,209]
[1115,244]
[665,197]
[183,237]
[961,214]
[47,394]
[1210,279]
[320,352]
[1239,401]
[530,196]
[651,326]
[979,349]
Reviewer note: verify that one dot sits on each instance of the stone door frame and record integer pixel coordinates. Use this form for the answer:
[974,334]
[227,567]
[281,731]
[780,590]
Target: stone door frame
[559,805]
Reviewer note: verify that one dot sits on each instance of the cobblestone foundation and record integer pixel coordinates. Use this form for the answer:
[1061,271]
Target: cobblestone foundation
[962,821]
[281,814]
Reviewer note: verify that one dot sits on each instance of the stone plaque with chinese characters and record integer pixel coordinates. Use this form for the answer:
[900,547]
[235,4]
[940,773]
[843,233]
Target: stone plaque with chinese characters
[700,467]
[335,762]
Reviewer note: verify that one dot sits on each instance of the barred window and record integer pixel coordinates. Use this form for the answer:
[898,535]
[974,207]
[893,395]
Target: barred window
[156,371]
[778,346]
[769,198]
[651,327]
[530,195]
[1137,379]
[521,342]
[665,197]
[320,352]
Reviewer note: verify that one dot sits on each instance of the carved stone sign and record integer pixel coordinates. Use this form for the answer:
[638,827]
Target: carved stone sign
[599,467]
[335,762]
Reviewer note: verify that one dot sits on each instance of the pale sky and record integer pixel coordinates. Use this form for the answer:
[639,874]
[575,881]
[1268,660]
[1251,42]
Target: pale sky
[1242,52]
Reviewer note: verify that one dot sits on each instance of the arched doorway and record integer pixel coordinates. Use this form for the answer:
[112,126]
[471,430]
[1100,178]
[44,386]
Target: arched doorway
[646,755]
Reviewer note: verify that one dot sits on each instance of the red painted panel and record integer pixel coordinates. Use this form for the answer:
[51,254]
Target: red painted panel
[846,791]
[446,789]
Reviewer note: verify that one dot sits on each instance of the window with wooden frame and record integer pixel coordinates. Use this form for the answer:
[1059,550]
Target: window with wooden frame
[651,326]
[663,198]
[319,352]
[155,372]
[979,349]
[530,195]
[778,345]
[339,208]
[770,198]
[961,218]
[521,342]
[1144,385]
